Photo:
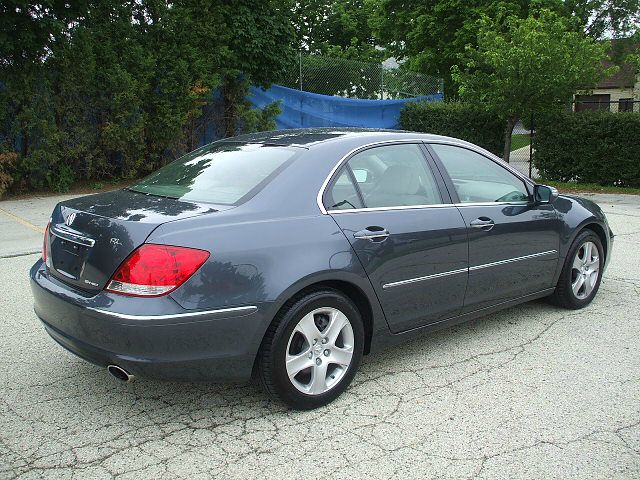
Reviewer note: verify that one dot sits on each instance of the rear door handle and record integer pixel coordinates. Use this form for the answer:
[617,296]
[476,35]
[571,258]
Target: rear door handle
[484,223]
[373,234]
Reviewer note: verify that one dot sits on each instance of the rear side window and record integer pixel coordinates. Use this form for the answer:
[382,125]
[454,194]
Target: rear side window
[387,176]
[224,173]
[343,194]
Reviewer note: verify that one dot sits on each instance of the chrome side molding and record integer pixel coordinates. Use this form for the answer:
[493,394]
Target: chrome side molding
[511,260]
[422,279]
[467,270]
[219,313]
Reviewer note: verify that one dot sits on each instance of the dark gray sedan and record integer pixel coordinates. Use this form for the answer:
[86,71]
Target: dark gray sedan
[290,254]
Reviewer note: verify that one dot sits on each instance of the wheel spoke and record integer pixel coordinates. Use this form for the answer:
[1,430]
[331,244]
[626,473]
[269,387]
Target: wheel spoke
[577,285]
[307,327]
[590,282]
[297,363]
[577,262]
[319,379]
[338,321]
[587,253]
[341,356]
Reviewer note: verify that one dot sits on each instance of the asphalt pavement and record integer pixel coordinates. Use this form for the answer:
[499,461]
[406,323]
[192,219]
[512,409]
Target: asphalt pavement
[530,392]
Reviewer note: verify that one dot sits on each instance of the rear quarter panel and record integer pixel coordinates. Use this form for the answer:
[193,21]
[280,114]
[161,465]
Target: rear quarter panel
[264,262]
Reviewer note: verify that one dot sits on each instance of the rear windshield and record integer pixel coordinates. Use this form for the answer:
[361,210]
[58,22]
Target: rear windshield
[223,173]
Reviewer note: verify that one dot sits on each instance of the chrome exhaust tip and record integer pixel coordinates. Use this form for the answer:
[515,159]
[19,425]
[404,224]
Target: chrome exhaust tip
[120,373]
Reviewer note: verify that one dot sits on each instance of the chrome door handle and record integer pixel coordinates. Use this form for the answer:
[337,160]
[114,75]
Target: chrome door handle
[373,234]
[483,223]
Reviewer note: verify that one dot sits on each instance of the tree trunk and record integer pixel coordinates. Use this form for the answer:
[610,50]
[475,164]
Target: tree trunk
[230,102]
[508,131]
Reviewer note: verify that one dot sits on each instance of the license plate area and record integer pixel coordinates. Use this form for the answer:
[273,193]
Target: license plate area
[67,257]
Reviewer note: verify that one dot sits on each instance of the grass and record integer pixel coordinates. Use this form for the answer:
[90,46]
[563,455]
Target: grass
[519,140]
[569,187]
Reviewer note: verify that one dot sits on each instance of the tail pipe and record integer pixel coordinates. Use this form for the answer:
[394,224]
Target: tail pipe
[120,373]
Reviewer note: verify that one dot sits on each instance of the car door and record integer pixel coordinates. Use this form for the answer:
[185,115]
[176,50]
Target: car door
[513,242]
[410,239]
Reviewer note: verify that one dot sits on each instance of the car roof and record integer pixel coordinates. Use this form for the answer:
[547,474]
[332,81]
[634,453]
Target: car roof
[309,137]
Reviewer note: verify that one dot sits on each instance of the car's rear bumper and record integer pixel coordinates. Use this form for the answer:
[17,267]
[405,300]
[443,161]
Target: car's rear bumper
[165,342]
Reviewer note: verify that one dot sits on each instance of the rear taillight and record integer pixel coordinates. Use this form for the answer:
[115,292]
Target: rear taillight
[154,270]
[45,242]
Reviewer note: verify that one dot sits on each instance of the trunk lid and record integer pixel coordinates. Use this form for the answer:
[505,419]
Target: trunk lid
[89,237]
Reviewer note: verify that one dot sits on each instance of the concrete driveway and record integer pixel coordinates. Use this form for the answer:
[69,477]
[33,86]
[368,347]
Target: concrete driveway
[531,392]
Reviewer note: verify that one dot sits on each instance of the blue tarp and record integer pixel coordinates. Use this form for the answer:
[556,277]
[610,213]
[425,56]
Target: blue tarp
[304,109]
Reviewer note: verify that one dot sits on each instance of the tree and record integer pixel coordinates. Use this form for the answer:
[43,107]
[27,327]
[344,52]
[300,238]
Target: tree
[103,89]
[260,51]
[535,65]
[616,18]
[339,29]
[432,34]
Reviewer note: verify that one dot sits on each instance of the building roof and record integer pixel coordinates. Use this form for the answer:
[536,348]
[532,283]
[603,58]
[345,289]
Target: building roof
[625,77]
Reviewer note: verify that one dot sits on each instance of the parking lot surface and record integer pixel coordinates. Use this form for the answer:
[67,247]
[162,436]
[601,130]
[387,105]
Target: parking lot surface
[530,392]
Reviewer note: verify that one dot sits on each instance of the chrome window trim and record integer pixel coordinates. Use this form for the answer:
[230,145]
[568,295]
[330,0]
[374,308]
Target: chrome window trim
[222,312]
[467,270]
[414,207]
[468,146]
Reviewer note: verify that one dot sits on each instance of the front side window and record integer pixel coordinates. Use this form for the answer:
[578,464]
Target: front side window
[223,173]
[389,176]
[479,179]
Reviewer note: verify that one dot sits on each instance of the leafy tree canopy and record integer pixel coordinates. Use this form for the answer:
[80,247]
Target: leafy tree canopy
[338,29]
[533,64]
[432,34]
[96,89]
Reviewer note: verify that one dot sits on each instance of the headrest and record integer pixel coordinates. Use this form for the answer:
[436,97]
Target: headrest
[399,180]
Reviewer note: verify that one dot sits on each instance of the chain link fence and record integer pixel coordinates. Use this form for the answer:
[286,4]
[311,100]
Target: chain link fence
[523,139]
[355,79]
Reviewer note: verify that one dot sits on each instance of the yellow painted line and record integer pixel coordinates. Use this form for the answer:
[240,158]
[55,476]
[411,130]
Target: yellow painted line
[22,221]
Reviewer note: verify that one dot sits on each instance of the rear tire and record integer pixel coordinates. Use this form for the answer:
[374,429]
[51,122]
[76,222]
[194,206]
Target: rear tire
[581,273]
[312,350]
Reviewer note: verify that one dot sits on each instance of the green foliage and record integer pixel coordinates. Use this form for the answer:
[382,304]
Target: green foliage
[589,147]
[455,119]
[7,163]
[598,18]
[341,29]
[535,65]
[94,90]
[431,35]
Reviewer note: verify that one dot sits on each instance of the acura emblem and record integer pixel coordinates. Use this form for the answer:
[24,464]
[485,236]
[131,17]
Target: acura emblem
[70,218]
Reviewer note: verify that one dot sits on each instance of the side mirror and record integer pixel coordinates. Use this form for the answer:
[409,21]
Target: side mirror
[544,194]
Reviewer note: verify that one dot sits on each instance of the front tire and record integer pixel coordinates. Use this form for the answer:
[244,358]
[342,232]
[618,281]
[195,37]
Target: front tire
[581,273]
[312,350]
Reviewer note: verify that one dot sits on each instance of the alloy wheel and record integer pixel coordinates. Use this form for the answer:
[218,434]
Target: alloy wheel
[319,351]
[585,270]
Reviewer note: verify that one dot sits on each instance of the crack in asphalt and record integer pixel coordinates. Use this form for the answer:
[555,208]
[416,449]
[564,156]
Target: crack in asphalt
[529,392]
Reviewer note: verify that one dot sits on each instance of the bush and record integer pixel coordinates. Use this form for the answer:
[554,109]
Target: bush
[7,163]
[589,147]
[459,120]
